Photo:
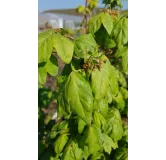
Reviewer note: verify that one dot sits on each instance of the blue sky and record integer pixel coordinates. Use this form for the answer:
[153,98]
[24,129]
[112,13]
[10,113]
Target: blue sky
[62,4]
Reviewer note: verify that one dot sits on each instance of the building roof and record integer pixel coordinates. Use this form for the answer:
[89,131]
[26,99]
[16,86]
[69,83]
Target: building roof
[70,11]
[44,17]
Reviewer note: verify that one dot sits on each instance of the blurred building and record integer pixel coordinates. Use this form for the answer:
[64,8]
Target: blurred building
[51,20]
[64,18]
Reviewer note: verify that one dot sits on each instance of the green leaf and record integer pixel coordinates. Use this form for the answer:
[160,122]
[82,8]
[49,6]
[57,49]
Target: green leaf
[54,131]
[67,153]
[81,125]
[114,121]
[96,120]
[123,52]
[124,92]
[45,46]
[109,43]
[42,35]
[121,154]
[72,151]
[102,120]
[122,79]
[99,120]
[60,108]
[120,52]
[108,126]
[62,125]
[113,81]
[100,80]
[107,22]
[77,152]
[79,96]
[49,94]
[120,32]
[42,74]
[108,143]
[103,106]
[63,107]
[97,156]
[91,137]
[60,143]
[83,44]
[85,153]
[52,66]
[54,158]
[119,101]
[96,105]
[95,23]
[64,110]
[64,48]
[109,95]
[125,133]
[125,62]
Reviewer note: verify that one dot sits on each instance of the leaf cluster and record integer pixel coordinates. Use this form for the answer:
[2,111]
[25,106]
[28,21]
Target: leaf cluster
[92,92]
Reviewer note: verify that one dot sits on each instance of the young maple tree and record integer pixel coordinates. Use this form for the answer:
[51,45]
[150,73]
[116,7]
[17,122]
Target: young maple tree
[91,94]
